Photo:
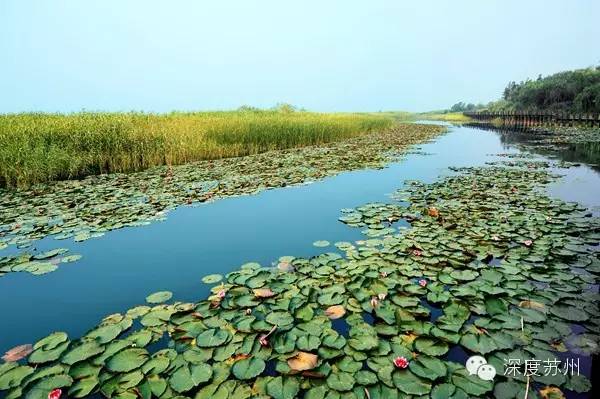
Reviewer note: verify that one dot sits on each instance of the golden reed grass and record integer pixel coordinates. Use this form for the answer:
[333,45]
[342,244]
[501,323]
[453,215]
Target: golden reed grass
[40,147]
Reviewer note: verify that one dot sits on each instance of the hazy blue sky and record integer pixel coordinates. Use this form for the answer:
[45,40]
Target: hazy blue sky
[325,55]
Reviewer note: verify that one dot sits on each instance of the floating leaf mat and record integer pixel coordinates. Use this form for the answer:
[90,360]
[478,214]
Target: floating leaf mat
[497,269]
[86,209]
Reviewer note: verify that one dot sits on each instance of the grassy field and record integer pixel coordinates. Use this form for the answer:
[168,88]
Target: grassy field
[444,116]
[40,147]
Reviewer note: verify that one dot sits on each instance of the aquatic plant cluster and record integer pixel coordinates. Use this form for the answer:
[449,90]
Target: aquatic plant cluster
[491,265]
[45,147]
[84,209]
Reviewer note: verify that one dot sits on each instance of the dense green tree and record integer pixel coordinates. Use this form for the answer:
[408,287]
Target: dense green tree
[569,91]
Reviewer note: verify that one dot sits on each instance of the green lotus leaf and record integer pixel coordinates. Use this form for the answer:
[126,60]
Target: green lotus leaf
[42,355]
[70,258]
[496,306]
[569,313]
[212,337]
[82,352]
[130,380]
[578,383]
[212,278]
[431,347]
[428,367]
[159,297]
[443,391]
[51,341]
[478,343]
[308,343]
[83,387]
[509,390]
[127,360]
[365,377]
[284,343]
[105,334]
[6,366]
[471,384]
[341,381]
[40,268]
[156,365]
[464,275]
[12,377]
[83,370]
[283,388]
[42,388]
[409,383]
[247,369]
[318,392]
[186,378]
[364,342]
[51,253]
[157,385]
[280,318]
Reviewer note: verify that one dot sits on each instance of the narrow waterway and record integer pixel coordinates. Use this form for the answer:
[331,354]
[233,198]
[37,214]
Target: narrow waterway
[118,270]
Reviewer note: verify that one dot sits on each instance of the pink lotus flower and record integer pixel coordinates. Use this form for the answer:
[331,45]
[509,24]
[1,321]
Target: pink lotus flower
[423,283]
[527,243]
[374,302]
[264,340]
[221,294]
[55,393]
[417,252]
[401,362]
[383,274]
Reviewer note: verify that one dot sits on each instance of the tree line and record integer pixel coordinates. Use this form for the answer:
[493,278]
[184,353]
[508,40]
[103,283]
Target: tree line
[576,91]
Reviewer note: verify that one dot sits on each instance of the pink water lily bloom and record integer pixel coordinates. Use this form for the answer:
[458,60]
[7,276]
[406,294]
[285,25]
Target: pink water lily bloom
[401,362]
[55,393]
[264,340]
[423,283]
[528,243]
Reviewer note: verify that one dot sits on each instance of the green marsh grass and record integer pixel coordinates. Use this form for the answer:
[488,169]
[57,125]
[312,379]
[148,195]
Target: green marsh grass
[41,147]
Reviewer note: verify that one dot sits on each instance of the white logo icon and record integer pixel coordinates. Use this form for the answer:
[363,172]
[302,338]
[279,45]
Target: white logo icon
[479,366]
[486,372]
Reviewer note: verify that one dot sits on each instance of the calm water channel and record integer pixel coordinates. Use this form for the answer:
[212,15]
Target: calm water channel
[118,270]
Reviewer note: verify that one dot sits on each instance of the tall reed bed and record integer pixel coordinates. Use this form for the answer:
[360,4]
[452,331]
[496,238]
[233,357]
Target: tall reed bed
[39,147]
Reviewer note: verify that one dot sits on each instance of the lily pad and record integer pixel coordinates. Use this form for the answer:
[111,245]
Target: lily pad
[159,297]
[247,369]
[212,278]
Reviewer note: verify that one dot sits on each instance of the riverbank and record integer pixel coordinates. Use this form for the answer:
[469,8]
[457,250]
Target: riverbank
[45,147]
[84,209]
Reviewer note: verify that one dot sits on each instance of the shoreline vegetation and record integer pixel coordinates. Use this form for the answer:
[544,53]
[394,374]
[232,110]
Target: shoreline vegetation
[87,208]
[39,147]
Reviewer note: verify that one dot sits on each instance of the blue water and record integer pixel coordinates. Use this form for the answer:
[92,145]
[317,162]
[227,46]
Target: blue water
[118,270]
